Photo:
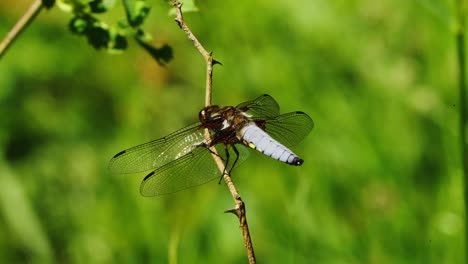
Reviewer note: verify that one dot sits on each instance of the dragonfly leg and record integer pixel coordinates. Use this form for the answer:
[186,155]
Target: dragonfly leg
[237,158]
[212,152]
[225,164]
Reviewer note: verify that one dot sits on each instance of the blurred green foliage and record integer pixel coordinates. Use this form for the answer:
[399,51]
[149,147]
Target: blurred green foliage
[381,182]
[113,38]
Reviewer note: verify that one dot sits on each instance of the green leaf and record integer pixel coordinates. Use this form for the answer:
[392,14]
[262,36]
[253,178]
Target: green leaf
[101,6]
[98,36]
[76,6]
[162,55]
[79,25]
[118,42]
[97,6]
[123,24]
[137,11]
[143,35]
[48,3]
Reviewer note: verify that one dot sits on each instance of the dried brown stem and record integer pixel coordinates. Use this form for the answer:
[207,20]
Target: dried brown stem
[239,210]
[24,21]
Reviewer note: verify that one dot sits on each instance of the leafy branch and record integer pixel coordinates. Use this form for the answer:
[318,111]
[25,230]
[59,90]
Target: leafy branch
[239,209]
[100,35]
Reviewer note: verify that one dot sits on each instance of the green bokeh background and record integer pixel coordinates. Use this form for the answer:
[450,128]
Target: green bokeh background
[381,182]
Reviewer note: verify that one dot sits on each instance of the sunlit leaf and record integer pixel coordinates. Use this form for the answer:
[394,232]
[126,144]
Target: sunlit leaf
[79,25]
[137,11]
[118,42]
[73,5]
[101,6]
[143,35]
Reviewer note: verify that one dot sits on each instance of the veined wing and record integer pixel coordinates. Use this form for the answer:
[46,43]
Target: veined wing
[156,153]
[195,168]
[289,129]
[263,106]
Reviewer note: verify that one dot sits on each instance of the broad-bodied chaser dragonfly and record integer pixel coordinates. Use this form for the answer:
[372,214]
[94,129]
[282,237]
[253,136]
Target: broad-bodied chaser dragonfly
[182,159]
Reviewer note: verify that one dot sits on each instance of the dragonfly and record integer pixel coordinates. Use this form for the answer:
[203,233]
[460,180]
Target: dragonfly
[183,159]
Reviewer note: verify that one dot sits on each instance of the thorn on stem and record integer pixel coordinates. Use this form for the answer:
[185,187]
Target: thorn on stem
[179,23]
[235,211]
[178,5]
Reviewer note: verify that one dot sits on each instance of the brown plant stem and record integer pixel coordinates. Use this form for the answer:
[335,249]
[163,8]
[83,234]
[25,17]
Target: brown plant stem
[239,210]
[24,21]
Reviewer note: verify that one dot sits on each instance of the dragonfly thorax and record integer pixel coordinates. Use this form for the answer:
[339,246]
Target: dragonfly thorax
[223,123]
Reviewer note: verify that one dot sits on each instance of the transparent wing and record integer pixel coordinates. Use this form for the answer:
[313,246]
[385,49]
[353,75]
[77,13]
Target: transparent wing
[193,169]
[263,106]
[289,129]
[157,153]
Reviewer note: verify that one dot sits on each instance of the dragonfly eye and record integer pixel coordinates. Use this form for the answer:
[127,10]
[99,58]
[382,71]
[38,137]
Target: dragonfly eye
[202,115]
[207,113]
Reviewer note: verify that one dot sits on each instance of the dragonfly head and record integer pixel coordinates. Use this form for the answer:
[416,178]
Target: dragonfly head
[208,113]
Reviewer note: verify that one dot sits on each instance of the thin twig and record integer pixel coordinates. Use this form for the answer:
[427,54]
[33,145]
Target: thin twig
[24,21]
[206,55]
[239,210]
[463,108]
[209,80]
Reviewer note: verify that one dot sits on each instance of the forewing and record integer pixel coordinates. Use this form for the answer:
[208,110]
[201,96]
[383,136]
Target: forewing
[289,129]
[263,106]
[195,168]
[157,153]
